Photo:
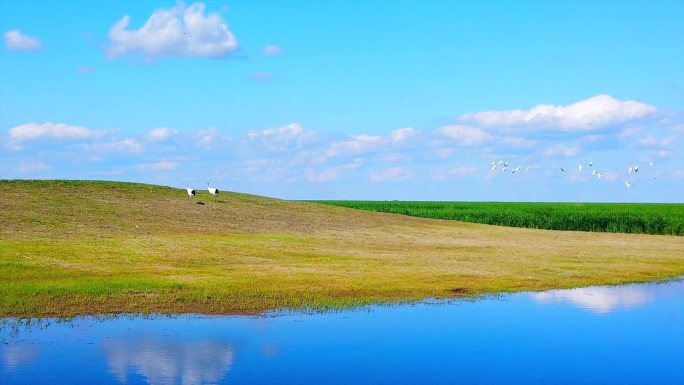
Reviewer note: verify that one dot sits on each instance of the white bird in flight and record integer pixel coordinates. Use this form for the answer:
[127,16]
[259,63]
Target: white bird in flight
[591,164]
[599,175]
[629,185]
[580,167]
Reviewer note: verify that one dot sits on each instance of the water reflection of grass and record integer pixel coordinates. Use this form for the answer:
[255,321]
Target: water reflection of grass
[70,248]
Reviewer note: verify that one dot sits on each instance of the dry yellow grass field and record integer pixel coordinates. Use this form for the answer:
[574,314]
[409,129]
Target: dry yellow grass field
[70,248]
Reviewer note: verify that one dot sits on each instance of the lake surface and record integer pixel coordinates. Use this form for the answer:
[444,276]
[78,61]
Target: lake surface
[631,334]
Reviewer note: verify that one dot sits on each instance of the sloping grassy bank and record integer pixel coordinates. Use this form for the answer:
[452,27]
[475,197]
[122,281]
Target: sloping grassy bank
[634,218]
[83,247]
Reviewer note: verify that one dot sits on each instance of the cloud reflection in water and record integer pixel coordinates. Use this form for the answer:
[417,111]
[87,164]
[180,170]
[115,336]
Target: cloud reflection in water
[169,362]
[600,299]
[15,355]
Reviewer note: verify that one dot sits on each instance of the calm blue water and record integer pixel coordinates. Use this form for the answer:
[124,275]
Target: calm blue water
[601,335]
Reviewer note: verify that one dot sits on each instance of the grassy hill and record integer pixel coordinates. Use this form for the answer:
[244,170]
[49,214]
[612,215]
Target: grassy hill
[85,247]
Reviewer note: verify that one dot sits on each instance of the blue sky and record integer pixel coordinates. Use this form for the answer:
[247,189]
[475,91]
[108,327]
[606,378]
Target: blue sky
[349,100]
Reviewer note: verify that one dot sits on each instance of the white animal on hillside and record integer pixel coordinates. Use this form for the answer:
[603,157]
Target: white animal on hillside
[212,191]
[191,192]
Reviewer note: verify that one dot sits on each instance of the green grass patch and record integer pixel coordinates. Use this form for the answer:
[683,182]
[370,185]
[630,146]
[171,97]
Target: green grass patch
[634,218]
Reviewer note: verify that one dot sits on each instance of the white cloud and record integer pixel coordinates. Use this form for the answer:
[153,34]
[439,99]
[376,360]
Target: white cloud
[662,154]
[403,134]
[272,50]
[560,150]
[593,138]
[465,135]
[207,138]
[519,142]
[17,41]
[590,114]
[162,165]
[178,31]
[333,173]
[652,141]
[391,174]
[161,133]
[33,131]
[292,135]
[629,131]
[357,144]
[129,145]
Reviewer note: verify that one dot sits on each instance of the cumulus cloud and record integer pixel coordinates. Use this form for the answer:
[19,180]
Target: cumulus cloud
[465,135]
[178,31]
[357,144]
[594,113]
[561,150]
[391,174]
[34,131]
[272,50]
[17,41]
[161,133]
[403,134]
[292,135]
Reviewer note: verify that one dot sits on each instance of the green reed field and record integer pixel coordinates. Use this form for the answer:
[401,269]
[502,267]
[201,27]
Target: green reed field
[634,218]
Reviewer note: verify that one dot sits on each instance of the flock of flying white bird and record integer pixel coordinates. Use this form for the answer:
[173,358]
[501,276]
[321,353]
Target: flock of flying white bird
[494,167]
[503,167]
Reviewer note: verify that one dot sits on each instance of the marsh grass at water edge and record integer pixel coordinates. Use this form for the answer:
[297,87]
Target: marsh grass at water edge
[636,218]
